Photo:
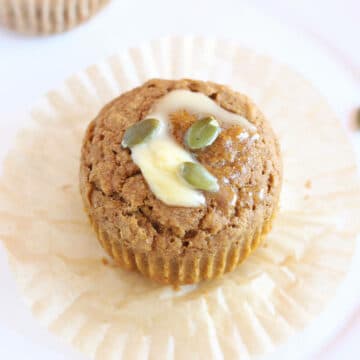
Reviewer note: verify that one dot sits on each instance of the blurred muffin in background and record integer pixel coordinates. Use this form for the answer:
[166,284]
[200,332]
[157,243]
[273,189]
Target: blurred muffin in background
[41,17]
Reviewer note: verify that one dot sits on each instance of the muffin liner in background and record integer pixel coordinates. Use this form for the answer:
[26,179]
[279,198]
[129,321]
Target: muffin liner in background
[110,313]
[41,17]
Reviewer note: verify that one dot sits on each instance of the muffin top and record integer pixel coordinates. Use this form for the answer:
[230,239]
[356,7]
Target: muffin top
[247,167]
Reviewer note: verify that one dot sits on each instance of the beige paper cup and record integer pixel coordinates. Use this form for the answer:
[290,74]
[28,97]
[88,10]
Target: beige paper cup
[41,17]
[110,313]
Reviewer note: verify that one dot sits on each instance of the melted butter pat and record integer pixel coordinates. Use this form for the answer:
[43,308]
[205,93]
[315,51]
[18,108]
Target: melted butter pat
[159,158]
[195,103]
[159,161]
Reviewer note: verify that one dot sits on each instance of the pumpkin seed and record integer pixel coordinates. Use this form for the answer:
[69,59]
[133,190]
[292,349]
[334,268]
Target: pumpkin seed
[202,133]
[198,177]
[140,132]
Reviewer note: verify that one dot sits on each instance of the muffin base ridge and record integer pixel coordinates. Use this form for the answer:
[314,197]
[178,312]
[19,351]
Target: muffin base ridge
[184,270]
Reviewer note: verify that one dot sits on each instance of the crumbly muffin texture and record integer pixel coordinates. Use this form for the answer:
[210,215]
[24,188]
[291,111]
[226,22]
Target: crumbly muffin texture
[126,213]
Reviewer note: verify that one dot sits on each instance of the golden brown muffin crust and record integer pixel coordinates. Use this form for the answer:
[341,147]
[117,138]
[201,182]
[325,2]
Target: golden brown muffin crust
[119,201]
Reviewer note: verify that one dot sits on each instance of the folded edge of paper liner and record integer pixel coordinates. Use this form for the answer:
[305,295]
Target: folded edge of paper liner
[42,17]
[112,314]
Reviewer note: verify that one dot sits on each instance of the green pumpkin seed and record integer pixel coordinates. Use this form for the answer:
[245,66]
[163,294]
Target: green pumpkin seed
[202,133]
[140,132]
[198,177]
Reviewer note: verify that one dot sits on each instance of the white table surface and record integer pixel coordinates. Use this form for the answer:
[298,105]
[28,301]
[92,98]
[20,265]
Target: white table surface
[327,30]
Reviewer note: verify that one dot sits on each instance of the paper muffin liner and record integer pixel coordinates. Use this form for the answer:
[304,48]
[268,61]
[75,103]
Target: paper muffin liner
[47,16]
[110,313]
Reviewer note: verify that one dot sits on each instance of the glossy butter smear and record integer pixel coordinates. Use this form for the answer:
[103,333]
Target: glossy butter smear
[160,157]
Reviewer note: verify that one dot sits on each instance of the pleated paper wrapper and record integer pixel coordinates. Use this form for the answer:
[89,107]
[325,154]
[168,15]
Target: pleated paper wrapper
[42,17]
[110,313]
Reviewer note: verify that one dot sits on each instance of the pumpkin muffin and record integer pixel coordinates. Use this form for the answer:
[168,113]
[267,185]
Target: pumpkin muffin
[180,179]
[42,17]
